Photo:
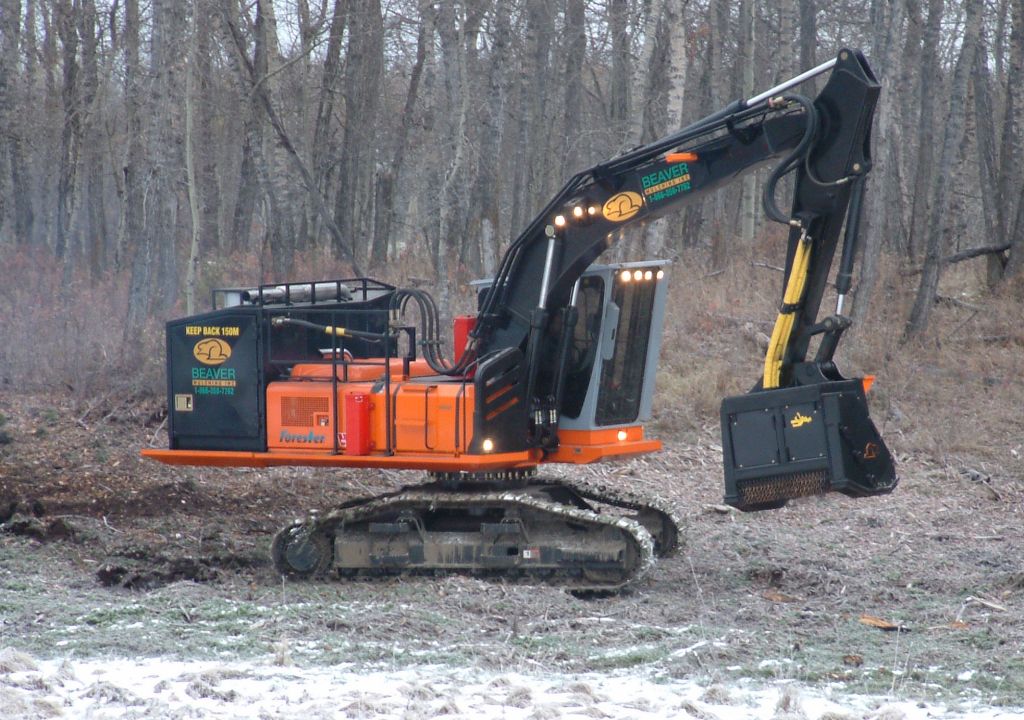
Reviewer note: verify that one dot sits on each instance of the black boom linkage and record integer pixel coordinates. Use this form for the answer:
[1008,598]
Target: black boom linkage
[825,142]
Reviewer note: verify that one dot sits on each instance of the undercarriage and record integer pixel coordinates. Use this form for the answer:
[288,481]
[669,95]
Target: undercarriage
[540,530]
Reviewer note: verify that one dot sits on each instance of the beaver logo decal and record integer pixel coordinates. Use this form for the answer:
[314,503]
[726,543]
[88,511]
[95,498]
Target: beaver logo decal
[622,206]
[211,351]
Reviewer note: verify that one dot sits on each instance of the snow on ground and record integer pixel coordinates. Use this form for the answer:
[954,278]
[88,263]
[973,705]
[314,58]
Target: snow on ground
[153,688]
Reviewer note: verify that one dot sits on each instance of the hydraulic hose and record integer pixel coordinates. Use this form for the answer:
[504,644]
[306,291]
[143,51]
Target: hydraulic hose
[329,329]
[787,314]
[792,161]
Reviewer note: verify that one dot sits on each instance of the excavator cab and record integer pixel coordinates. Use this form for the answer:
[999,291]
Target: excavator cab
[613,348]
[601,356]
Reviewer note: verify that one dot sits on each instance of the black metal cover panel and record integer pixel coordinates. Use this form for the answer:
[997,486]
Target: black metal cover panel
[215,381]
[758,447]
[804,432]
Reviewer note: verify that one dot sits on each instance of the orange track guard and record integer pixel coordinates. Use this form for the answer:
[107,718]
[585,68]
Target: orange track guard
[587,446]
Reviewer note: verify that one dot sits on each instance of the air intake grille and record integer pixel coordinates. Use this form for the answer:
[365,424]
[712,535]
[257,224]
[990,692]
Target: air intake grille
[300,411]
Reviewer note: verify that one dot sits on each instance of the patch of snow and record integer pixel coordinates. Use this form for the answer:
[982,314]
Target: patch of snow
[121,688]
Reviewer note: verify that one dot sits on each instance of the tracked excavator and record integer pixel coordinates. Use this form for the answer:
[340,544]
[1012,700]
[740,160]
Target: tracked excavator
[557,366]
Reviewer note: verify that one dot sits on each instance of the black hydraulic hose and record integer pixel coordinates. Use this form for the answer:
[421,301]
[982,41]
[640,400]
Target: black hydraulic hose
[800,152]
[429,325]
[329,329]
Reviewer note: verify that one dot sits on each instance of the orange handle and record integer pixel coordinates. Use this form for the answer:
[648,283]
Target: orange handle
[680,157]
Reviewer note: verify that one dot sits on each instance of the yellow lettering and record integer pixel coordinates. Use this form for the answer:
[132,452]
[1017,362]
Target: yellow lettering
[211,330]
[193,330]
[231,331]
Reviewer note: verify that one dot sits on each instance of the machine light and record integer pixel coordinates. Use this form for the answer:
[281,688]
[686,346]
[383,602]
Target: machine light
[648,275]
[577,212]
[661,274]
[559,221]
[621,435]
[487,445]
[592,210]
[626,276]
[638,274]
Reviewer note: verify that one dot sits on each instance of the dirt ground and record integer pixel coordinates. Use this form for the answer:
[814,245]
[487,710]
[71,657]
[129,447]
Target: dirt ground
[918,595]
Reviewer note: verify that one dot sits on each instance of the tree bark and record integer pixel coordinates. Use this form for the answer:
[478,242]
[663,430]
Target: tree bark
[133,241]
[883,201]
[809,33]
[17,185]
[92,223]
[952,137]
[618,92]
[993,214]
[490,185]
[205,141]
[70,138]
[1012,146]
[923,167]
[748,202]
[353,212]
[192,268]
[321,150]
[163,150]
[645,78]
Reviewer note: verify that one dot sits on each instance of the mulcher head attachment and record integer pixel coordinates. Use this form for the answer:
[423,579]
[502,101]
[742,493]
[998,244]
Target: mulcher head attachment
[799,441]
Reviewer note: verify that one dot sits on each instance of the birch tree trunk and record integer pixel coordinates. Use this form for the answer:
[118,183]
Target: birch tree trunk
[952,137]
[748,202]
[385,211]
[192,268]
[883,202]
[923,167]
[363,74]
[490,180]
[91,214]
[133,240]
[1012,146]
[644,78]
[70,139]
[16,187]
[993,211]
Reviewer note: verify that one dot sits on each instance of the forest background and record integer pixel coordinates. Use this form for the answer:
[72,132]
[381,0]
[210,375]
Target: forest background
[152,151]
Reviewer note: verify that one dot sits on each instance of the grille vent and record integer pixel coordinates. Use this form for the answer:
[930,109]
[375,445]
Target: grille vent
[783,487]
[300,411]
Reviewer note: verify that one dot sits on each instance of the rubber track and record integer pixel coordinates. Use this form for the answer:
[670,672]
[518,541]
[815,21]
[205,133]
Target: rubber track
[359,509]
[626,499]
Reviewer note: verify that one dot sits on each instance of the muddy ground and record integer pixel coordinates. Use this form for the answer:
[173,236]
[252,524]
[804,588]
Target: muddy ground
[103,554]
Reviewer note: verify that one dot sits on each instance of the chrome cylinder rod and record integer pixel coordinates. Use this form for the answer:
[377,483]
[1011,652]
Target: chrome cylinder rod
[792,82]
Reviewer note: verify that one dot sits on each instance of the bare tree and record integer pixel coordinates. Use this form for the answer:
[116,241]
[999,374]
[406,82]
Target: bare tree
[1012,146]
[935,247]
[15,183]
[929,78]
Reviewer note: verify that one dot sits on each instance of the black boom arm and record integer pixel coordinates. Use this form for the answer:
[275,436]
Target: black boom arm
[824,142]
